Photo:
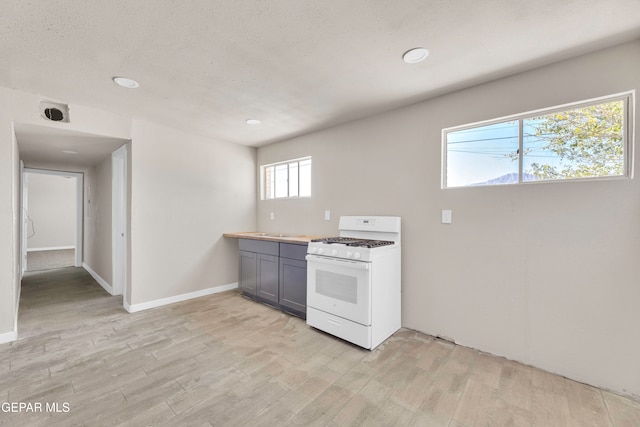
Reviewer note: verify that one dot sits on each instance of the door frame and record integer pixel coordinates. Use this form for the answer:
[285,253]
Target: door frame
[79,209]
[119,235]
[24,208]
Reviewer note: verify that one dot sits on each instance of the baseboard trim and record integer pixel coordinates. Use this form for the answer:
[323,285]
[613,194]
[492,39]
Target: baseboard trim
[8,337]
[52,248]
[132,308]
[107,287]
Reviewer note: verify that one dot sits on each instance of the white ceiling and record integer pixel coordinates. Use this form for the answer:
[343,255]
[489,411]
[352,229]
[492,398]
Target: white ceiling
[42,148]
[298,65]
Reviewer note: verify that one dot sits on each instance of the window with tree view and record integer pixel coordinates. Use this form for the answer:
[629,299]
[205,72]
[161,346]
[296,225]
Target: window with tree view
[587,140]
[287,179]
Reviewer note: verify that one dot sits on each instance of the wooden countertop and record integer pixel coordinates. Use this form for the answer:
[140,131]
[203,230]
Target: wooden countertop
[273,237]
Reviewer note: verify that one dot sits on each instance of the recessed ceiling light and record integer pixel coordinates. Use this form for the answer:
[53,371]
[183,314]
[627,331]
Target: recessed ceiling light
[415,55]
[69,152]
[125,82]
[253,122]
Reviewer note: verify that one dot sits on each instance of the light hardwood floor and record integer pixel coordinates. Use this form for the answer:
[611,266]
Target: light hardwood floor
[224,360]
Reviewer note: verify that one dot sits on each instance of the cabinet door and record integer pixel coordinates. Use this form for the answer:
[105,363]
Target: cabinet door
[247,276]
[293,284]
[268,277]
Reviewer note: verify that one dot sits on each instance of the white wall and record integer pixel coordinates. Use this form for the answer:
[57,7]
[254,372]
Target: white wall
[186,192]
[546,274]
[52,210]
[97,220]
[9,228]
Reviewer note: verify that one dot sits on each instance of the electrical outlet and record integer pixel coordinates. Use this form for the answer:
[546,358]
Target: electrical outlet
[446,216]
[327,215]
[272,215]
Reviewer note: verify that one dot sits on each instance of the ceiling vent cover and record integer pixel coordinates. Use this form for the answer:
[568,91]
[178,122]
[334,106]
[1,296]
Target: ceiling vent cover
[54,111]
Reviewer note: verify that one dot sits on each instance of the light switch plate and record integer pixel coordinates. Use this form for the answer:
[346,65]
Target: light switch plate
[446,216]
[272,215]
[327,215]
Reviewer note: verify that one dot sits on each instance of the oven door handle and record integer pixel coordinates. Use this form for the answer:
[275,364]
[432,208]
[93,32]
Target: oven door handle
[338,262]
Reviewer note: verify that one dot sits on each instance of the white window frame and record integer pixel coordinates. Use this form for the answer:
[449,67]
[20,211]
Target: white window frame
[263,181]
[628,130]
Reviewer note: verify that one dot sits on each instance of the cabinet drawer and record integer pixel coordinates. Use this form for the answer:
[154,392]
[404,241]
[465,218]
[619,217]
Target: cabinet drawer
[259,246]
[339,327]
[293,251]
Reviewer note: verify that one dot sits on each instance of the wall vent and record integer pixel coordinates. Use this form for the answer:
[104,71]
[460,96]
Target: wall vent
[54,111]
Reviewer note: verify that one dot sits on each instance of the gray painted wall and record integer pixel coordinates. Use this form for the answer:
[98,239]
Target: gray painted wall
[97,220]
[186,192]
[546,274]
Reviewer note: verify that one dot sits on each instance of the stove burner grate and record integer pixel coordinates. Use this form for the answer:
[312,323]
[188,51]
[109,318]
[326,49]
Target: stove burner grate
[354,242]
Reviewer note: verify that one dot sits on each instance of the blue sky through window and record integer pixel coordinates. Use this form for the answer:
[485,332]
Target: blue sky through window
[482,154]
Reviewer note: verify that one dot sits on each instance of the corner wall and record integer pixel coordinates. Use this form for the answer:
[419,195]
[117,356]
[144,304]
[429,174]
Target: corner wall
[545,274]
[186,191]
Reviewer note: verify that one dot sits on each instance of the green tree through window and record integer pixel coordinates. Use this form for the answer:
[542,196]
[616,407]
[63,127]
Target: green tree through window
[580,143]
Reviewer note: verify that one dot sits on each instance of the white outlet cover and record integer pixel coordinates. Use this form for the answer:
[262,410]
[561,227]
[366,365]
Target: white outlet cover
[446,216]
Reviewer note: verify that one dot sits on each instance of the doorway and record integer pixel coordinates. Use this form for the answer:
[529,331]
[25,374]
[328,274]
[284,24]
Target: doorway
[52,219]
[93,161]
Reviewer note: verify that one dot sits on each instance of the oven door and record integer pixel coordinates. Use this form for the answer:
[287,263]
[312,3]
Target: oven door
[340,287]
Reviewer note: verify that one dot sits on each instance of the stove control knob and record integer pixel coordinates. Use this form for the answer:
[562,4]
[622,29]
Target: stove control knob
[334,252]
[356,255]
[313,250]
[320,250]
[349,254]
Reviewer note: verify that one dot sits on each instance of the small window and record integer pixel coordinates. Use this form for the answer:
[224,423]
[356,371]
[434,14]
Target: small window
[286,179]
[585,140]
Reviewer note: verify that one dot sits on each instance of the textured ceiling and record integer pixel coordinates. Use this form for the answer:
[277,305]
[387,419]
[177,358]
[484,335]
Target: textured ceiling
[298,65]
[44,148]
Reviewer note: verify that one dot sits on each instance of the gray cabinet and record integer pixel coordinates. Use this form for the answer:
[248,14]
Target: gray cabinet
[293,278]
[248,272]
[274,273]
[267,283]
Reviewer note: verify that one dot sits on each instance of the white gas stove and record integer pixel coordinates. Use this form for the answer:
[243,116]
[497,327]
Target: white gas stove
[353,280]
[348,247]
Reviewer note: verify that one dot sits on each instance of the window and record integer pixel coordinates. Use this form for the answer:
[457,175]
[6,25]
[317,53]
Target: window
[286,179]
[584,140]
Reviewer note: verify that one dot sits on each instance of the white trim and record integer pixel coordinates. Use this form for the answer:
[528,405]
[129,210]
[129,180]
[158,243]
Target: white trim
[79,246]
[119,235]
[107,287]
[8,337]
[178,298]
[13,336]
[52,248]
[23,219]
